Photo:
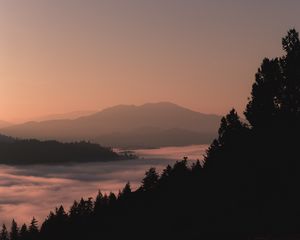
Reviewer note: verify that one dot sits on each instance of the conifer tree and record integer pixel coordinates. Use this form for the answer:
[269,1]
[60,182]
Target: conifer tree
[4,233]
[14,232]
[24,232]
[33,229]
[126,191]
[150,180]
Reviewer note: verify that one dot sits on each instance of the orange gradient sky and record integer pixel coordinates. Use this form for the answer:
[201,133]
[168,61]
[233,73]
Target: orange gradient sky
[66,55]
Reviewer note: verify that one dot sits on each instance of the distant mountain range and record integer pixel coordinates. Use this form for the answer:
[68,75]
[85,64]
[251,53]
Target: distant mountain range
[68,115]
[128,126]
[4,124]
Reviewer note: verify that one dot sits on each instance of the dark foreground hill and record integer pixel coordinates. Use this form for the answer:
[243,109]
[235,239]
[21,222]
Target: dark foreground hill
[6,139]
[149,125]
[20,152]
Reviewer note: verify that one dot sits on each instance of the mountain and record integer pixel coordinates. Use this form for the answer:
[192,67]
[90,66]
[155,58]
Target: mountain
[148,125]
[68,115]
[22,152]
[155,137]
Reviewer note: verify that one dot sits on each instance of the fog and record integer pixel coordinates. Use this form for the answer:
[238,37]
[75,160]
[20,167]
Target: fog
[28,191]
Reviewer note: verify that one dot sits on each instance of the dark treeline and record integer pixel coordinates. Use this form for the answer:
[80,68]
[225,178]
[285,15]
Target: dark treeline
[6,139]
[248,185]
[16,151]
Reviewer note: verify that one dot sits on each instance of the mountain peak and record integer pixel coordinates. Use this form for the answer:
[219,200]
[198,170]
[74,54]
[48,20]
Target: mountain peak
[125,125]
[162,104]
[150,105]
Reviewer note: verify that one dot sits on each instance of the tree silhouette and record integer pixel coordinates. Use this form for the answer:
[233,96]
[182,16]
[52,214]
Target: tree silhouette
[24,235]
[4,233]
[126,192]
[74,211]
[290,99]
[231,133]
[112,198]
[33,229]
[275,96]
[61,214]
[85,207]
[197,168]
[264,104]
[231,127]
[98,204]
[150,180]
[291,42]
[14,232]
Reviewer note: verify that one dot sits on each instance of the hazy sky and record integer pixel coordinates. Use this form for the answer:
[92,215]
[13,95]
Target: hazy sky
[65,55]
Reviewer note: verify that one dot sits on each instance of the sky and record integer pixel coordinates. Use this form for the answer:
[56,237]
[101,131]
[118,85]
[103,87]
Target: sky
[61,56]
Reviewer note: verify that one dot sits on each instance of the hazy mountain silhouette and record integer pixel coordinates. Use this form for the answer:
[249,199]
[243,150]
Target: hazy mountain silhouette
[60,116]
[150,137]
[4,124]
[148,125]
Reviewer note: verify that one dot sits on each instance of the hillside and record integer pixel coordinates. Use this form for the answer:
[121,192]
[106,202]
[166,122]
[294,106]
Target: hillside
[6,139]
[152,124]
[23,152]
[68,115]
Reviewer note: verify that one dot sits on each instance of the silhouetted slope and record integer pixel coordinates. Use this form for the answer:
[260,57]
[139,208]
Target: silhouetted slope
[149,137]
[128,126]
[61,116]
[6,139]
[15,151]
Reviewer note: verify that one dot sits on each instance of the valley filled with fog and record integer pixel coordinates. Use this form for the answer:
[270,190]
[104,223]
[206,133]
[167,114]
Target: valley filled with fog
[34,190]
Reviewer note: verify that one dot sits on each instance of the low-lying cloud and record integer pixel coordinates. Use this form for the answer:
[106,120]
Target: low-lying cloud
[28,191]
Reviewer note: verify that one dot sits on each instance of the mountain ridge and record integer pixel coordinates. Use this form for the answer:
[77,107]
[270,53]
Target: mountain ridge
[126,122]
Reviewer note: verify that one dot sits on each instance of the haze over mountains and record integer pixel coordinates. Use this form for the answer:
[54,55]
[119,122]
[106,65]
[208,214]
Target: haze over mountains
[59,116]
[4,124]
[128,126]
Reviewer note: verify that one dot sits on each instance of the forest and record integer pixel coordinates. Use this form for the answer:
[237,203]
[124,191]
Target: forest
[247,187]
[32,151]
